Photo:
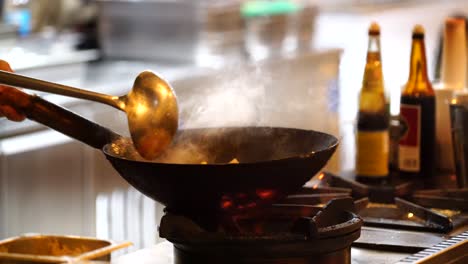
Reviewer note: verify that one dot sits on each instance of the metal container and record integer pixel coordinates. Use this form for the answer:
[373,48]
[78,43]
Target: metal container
[56,249]
[145,29]
[199,31]
[459,125]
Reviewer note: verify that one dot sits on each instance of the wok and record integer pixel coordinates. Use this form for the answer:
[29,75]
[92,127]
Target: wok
[273,162]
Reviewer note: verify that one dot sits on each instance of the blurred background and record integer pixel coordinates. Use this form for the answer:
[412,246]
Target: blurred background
[284,63]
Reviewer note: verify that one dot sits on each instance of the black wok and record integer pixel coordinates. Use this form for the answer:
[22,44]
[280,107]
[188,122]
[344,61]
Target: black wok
[273,162]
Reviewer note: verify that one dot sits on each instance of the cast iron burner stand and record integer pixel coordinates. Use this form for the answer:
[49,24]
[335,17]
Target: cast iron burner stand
[403,205]
[283,233]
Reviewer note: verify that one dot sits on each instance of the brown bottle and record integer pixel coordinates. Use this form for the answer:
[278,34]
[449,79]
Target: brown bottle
[417,115]
[372,141]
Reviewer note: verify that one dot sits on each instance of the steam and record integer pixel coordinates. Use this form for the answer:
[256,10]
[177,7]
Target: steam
[284,94]
[234,99]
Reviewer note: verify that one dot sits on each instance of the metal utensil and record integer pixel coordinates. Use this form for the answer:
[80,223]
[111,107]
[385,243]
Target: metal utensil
[151,107]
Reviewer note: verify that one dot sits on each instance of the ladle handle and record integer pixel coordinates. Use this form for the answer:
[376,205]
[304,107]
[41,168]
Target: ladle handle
[21,81]
[60,119]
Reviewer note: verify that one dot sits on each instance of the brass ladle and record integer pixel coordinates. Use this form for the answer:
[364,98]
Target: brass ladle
[151,107]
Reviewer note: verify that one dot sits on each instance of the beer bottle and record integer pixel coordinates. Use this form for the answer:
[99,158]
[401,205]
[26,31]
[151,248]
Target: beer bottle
[417,115]
[372,143]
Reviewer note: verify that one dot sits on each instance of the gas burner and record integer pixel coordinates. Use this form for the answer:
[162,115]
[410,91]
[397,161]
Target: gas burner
[283,233]
[400,204]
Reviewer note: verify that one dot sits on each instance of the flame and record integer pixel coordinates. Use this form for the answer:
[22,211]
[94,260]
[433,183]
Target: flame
[321,176]
[265,194]
[226,204]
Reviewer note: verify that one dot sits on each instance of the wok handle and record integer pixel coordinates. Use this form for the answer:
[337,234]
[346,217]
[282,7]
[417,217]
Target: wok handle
[59,119]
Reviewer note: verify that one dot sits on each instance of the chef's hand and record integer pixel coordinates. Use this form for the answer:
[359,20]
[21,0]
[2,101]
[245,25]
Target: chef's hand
[10,96]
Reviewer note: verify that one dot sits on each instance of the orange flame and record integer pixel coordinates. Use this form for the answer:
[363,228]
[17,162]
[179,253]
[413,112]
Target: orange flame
[265,194]
[226,204]
[321,176]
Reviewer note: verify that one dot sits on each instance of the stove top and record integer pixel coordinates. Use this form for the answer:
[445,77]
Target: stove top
[403,223]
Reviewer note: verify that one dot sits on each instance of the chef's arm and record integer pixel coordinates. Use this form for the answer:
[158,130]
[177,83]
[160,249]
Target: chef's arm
[8,95]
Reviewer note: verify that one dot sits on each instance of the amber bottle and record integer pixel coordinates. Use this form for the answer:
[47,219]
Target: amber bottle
[372,140]
[417,115]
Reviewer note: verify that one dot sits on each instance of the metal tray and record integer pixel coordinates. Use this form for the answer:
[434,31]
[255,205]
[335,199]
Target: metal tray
[56,249]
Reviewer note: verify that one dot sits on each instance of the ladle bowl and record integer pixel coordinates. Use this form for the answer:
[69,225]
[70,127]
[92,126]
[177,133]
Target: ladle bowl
[151,107]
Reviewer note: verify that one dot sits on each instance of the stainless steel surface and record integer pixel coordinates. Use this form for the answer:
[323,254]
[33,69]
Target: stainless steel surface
[453,251]
[151,107]
[459,124]
[169,29]
[56,249]
[400,240]
[371,256]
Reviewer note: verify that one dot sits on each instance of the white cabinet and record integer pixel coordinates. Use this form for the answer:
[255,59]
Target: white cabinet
[42,186]
[52,184]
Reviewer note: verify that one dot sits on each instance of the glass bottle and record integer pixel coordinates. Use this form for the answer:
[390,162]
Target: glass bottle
[372,141]
[417,115]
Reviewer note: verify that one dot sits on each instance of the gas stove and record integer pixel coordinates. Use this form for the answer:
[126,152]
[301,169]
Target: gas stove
[283,233]
[404,222]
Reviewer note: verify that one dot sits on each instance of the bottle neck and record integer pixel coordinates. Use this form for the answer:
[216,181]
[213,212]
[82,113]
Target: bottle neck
[373,77]
[373,48]
[372,98]
[418,64]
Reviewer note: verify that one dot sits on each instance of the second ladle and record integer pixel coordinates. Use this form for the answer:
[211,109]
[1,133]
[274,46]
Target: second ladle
[151,107]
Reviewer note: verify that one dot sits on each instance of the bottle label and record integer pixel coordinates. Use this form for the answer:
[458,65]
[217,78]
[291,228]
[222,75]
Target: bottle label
[372,153]
[409,146]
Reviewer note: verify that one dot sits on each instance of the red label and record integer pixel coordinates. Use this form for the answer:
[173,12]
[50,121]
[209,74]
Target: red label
[411,120]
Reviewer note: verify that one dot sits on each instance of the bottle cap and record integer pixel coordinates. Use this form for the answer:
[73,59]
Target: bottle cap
[374,29]
[418,31]
[454,22]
